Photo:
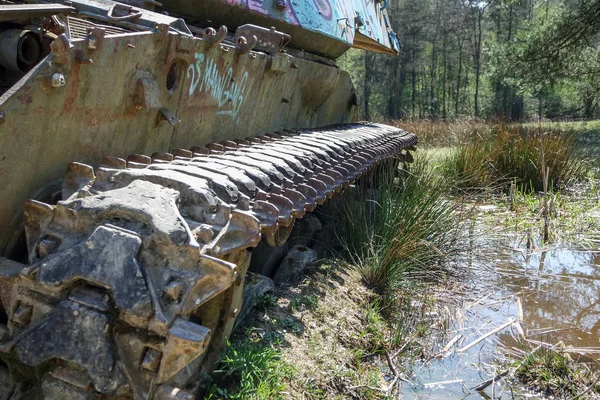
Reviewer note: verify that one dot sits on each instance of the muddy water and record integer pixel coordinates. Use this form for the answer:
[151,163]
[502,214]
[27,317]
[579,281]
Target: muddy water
[555,294]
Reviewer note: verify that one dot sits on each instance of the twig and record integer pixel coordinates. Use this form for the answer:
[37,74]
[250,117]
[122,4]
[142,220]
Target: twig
[483,385]
[444,351]
[541,332]
[490,333]
[428,385]
[588,389]
[386,390]
[520,330]
[390,363]
[520,308]
[402,348]
[368,387]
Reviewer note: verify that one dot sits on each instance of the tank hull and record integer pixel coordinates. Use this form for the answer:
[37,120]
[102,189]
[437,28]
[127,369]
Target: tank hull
[147,92]
[327,27]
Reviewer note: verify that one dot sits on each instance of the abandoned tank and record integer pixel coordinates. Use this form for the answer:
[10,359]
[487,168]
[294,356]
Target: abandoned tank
[189,131]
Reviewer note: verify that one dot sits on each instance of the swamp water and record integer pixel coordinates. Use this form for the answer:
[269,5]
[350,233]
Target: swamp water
[554,297]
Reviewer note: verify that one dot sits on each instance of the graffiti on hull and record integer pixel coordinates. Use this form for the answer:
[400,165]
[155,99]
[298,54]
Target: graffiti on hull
[341,19]
[228,92]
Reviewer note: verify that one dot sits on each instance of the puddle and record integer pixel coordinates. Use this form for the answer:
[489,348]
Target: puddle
[559,295]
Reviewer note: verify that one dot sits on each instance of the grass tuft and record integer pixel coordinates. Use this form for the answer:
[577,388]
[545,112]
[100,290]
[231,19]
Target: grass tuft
[400,228]
[250,370]
[552,373]
[512,153]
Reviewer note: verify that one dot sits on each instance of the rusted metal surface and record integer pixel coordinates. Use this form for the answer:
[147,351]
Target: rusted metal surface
[326,27]
[144,92]
[14,12]
[117,268]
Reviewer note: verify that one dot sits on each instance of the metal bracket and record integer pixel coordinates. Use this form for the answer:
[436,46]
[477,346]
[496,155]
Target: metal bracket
[131,13]
[169,116]
[213,37]
[280,4]
[269,40]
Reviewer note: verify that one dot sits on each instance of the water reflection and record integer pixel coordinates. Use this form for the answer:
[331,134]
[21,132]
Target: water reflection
[559,291]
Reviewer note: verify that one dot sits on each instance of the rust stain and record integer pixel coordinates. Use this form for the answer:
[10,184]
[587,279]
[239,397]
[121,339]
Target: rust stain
[25,98]
[73,90]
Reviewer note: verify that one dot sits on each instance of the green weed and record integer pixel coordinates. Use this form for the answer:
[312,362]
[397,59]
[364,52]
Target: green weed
[555,374]
[305,301]
[265,301]
[250,370]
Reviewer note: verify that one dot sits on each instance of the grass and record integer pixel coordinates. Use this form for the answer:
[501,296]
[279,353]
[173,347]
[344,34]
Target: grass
[250,369]
[400,229]
[436,134]
[451,133]
[552,373]
[573,215]
[516,154]
[324,338]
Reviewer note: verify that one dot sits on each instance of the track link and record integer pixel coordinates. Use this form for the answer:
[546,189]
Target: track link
[135,280]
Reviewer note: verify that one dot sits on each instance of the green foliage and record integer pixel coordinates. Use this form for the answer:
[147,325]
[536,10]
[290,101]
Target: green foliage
[373,336]
[265,301]
[559,46]
[554,374]
[250,370]
[514,154]
[498,59]
[393,230]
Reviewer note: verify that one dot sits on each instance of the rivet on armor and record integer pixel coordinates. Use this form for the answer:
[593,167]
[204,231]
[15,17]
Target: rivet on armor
[58,80]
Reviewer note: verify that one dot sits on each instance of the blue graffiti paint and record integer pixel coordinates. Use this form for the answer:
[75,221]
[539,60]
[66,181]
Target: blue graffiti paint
[229,93]
[334,18]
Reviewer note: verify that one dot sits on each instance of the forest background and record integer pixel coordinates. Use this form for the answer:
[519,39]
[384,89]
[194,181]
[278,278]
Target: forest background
[511,60]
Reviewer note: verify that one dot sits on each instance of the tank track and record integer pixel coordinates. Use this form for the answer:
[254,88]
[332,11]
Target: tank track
[135,280]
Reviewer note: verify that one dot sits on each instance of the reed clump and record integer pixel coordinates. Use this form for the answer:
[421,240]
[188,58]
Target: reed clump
[399,226]
[514,153]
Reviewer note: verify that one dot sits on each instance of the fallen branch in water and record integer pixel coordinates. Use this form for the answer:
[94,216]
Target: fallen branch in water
[446,349]
[482,338]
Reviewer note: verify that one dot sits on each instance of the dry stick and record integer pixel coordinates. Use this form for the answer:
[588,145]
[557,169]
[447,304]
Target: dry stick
[580,395]
[390,363]
[520,330]
[393,369]
[484,385]
[520,309]
[402,348]
[432,384]
[442,354]
[493,332]
[545,174]
[387,390]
